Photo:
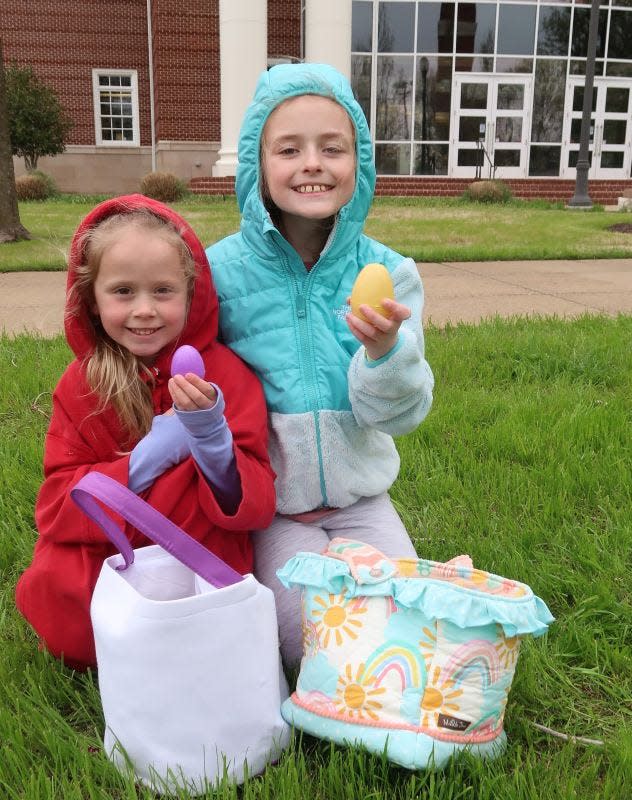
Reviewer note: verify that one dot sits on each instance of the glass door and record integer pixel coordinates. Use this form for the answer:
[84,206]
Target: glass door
[610,148]
[490,126]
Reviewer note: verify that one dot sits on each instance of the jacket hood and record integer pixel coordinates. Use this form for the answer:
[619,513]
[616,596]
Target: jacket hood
[201,326]
[280,83]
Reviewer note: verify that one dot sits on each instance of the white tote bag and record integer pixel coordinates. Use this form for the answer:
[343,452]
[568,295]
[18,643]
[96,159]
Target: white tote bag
[187,653]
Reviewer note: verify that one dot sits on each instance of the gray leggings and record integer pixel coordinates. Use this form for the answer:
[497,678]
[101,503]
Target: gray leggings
[371,520]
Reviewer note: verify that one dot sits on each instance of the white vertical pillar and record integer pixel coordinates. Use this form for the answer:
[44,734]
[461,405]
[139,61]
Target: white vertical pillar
[243,55]
[328,33]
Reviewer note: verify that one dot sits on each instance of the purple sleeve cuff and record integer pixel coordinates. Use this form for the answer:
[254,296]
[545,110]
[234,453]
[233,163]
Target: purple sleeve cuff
[211,444]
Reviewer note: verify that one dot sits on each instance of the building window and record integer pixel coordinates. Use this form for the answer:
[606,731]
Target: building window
[116,107]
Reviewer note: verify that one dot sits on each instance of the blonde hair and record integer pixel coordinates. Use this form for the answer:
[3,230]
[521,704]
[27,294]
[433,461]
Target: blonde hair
[113,373]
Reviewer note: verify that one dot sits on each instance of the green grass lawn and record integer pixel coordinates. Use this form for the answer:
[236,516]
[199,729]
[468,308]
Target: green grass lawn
[524,463]
[427,229]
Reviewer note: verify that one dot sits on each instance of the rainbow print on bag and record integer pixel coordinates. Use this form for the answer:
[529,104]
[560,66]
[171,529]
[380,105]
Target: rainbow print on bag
[412,657]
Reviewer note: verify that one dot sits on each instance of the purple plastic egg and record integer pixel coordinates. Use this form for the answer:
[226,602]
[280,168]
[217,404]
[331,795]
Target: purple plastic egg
[187,359]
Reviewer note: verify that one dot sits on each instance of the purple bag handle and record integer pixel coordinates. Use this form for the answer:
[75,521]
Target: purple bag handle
[96,486]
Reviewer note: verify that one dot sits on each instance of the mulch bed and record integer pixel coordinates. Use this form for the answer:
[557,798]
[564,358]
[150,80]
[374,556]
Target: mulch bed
[621,227]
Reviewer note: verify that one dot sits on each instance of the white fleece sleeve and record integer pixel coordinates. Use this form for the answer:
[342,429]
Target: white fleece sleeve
[394,393]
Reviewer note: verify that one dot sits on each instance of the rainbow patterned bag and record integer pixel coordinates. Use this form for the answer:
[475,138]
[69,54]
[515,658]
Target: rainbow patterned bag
[410,657]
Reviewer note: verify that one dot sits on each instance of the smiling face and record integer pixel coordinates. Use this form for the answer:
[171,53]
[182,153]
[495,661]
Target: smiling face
[141,292]
[308,158]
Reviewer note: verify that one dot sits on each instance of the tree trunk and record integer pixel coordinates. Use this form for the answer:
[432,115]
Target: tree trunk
[11,229]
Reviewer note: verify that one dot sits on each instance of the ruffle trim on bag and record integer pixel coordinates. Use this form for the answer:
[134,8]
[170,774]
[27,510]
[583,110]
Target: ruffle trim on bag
[454,591]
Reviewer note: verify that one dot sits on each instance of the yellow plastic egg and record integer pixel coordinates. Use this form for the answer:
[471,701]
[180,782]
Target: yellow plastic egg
[371,286]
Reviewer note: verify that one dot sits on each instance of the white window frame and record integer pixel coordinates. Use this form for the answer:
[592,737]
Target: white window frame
[96,95]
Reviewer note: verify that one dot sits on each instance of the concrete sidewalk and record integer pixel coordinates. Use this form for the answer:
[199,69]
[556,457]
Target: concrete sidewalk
[455,292]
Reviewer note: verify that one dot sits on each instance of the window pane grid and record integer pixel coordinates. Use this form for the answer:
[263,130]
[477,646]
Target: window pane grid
[408,53]
[115,101]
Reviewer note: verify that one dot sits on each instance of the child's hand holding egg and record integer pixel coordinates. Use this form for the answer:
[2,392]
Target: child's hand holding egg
[373,287]
[189,391]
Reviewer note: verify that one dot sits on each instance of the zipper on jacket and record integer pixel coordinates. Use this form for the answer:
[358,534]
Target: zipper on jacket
[308,370]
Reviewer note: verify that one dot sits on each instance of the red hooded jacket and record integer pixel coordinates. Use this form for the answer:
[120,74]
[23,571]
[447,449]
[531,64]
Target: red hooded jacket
[54,593]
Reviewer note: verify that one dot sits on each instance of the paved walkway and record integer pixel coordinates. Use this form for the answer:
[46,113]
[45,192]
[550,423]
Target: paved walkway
[455,292]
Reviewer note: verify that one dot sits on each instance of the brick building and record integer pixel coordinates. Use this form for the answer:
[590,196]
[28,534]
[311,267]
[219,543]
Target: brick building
[451,89]
[139,78]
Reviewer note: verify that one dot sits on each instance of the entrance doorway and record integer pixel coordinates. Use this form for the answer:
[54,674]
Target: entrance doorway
[491,123]
[610,149]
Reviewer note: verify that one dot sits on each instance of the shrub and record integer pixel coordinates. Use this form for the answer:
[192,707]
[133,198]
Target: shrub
[490,191]
[163,186]
[35,186]
[38,123]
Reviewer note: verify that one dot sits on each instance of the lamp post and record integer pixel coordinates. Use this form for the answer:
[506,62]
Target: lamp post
[581,198]
[423,66]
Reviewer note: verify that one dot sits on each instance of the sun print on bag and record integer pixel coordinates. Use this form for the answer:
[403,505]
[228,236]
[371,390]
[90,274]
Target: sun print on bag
[355,695]
[438,698]
[507,648]
[336,618]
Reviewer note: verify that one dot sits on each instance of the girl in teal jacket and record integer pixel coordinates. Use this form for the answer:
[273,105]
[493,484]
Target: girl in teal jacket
[338,387]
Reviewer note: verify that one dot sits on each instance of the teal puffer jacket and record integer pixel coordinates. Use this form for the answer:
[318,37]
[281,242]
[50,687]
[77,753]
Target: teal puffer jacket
[332,412]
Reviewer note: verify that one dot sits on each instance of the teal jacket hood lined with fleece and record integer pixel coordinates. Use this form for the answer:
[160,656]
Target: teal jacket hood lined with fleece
[332,414]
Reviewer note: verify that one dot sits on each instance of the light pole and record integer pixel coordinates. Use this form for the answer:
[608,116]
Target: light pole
[581,199]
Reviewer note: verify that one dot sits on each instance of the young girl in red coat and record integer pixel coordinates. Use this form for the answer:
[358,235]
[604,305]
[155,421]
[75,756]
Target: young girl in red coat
[139,286]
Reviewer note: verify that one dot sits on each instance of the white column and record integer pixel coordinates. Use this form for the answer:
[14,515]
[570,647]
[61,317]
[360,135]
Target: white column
[243,55]
[328,33]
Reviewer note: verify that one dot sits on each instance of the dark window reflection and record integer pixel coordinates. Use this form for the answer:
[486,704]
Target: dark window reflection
[507,158]
[578,98]
[578,67]
[435,28]
[517,65]
[579,41]
[516,29]
[362,26]
[576,128]
[475,28]
[617,100]
[548,100]
[474,64]
[612,160]
[508,129]
[572,158]
[510,96]
[620,42]
[553,31]
[432,98]
[470,128]
[474,95]
[396,28]
[614,131]
[619,69]
[394,96]
[392,159]
[468,158]
[361,82]
[431,159]
[544,161]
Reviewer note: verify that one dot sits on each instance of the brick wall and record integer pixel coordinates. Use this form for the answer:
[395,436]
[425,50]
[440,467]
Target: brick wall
[63,40]
[284,28]
[186,70]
